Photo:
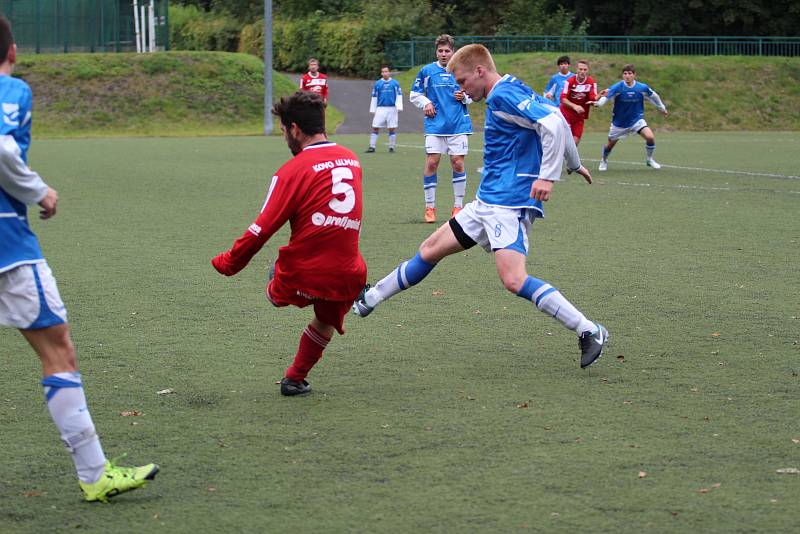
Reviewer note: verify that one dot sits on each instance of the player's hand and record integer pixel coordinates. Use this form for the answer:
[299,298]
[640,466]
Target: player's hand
[459,95]
[48,204]
[429,110]
[583,171]
[579,110]
[665,112]
[603,93]
[541,188]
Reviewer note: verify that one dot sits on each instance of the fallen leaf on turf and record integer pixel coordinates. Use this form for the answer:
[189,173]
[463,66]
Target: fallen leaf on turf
[716,486]
[627,402]
[796,441]
[523,405]
[156,516]
[788,471]
[31,494]
[642,474]
[130,413]
[437,293]
[703,490]
[212,489]
[716,334]
[470,398]
[695,390]
[167,391]
[621,358]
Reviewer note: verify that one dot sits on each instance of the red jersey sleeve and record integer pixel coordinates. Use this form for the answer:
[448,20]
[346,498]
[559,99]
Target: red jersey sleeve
[567,88]
[325,90]
[276,211]
[593,91]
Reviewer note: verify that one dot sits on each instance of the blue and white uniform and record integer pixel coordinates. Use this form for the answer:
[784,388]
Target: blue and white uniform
[524,140]
[387,100]
[556,86]
[28,294]
[628,114]
[434,85]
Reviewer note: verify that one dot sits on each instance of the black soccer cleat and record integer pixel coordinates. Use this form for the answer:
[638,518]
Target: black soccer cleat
[360,306]
[290,387]
[391,149]
[591,345]
[370,150]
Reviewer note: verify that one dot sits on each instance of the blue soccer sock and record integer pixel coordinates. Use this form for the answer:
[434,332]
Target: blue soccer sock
[550,301]
[429,185]
[650,149]
[67,405]
[459,188]
[606,152]
[407,274]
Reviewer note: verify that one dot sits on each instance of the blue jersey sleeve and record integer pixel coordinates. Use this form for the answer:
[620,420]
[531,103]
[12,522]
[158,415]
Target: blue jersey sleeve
[420,82]
[375,88]
[614,90]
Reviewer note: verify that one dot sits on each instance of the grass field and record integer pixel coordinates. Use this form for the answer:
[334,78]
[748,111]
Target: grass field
[455,407]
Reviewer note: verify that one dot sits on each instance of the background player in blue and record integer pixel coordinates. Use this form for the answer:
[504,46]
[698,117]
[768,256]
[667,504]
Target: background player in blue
[387,100]
[447,125]
[556,84]
[525,144]
[29,298]
[628,115]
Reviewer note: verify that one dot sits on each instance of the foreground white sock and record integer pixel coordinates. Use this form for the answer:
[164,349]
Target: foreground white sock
[67,405]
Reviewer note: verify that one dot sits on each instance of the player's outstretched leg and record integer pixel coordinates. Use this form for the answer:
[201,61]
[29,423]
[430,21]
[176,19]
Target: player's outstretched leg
[592,337]
[313,341]
[407,274]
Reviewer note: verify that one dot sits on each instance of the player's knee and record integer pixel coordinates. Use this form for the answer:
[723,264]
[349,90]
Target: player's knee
[512,282]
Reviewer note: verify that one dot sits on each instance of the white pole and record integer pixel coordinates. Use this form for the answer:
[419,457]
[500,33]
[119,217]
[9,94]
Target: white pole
[268,67]
[143,9]
[152,25]
[136,25]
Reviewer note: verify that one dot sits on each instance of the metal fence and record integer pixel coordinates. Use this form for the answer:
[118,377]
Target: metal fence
[420,50]
[49,26]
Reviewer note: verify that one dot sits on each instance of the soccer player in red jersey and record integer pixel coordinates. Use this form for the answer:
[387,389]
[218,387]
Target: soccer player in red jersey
[318,192]
[580,91]
[314,81]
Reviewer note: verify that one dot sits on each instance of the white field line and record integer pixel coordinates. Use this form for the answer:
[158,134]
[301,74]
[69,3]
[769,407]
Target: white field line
[679,186]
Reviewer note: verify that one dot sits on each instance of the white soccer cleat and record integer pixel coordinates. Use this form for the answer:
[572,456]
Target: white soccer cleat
[653,163]
[603,165]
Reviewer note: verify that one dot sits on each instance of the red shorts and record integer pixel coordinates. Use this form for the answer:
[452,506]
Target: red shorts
[576,125]
[330,312]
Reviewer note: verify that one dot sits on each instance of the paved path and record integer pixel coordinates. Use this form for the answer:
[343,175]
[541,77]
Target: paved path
[352,96]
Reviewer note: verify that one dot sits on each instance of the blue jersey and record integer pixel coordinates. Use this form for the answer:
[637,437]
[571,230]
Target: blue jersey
[556,86]
[439,86]
[628,102]
[512,149]
[386,91]
[19,243]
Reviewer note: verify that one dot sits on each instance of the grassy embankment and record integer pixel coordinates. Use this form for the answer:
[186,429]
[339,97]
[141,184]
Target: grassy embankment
[701,93]
[165,94]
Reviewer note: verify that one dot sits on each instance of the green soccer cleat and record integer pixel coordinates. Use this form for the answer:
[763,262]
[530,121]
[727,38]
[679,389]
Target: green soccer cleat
[116,480]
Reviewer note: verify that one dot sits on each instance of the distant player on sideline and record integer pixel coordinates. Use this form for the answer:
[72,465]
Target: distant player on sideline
[628,115]
[386,101]
[29,298]
[447,125]
[525,144]
[314,81]
[556,84]
[318,192]
[576,98]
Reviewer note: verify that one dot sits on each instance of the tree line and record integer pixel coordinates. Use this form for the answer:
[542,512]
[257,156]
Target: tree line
[545,17]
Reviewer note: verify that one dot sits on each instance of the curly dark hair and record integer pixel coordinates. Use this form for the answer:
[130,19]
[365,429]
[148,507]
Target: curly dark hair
[305,109]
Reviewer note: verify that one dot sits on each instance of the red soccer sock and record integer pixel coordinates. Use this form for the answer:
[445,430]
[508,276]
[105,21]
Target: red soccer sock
[312,344]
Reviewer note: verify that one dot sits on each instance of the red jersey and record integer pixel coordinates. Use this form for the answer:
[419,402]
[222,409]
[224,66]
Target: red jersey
[578,93]
[319,192]
[315,84]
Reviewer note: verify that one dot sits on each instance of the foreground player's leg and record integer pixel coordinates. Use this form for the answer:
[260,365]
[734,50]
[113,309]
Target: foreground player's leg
[591,336]
[650,147]
[315,338]
[439,245]
[66,403]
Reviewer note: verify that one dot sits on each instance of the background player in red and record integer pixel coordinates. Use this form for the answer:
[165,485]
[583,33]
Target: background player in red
[314,81]
[580,91]
[318,192]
